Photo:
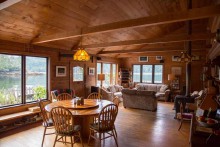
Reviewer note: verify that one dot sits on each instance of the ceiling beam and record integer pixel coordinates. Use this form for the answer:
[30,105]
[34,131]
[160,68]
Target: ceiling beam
[8,3]
[196,13]
[146,50]
[168,39]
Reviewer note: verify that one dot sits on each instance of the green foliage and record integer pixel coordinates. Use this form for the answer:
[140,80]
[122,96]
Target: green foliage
[8,99]
[39,92]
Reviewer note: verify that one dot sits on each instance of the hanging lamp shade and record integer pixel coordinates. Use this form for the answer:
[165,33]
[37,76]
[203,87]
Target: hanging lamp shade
[185,57]
[81,55]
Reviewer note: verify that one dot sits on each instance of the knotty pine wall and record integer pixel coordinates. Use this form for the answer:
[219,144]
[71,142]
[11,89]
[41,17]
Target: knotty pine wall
[196,83]
[81,88]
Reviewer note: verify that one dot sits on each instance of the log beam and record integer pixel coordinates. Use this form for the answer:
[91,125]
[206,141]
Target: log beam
[196,13]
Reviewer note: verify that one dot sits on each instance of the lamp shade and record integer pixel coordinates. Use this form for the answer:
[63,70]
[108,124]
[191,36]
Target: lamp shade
[171,77]
[101,77]
[81,55]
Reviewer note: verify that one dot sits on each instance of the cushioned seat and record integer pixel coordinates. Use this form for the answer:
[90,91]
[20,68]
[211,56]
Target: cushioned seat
[110,92]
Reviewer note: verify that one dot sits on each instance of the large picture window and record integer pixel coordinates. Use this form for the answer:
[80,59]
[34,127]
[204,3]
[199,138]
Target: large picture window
[22,79]
[148,73]
[110,71]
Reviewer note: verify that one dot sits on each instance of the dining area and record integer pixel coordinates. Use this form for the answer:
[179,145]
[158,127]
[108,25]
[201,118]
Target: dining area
[79,120]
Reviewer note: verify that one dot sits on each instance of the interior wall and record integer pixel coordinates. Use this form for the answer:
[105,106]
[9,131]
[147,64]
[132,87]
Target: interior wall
[196,83]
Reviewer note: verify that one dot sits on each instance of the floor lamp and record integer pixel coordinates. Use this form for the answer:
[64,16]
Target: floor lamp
[101,77]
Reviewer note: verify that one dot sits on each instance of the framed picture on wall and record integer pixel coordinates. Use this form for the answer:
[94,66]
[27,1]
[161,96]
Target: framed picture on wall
[143,58]
[60,71]
[159,57]
[175,58]
[91,71]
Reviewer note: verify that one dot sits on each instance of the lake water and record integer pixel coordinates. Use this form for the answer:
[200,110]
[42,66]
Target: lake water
[7,82]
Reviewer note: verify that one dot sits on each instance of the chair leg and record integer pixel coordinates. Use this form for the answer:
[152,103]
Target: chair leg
[114,129]
[181,122]
[45,128]
[71,138]
[55,140]
[81,139]
[90,132]
[100,139]
[114,135]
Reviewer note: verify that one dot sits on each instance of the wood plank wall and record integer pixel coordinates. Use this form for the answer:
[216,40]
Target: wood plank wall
[168,64]
[82,88]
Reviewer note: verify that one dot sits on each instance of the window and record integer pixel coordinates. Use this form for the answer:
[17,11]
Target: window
[110,71]
[78,73]
[22,79]
[148,73]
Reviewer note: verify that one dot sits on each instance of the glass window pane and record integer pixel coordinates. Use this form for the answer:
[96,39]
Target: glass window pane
[78,73]
[158,72]
[98,72]
[147,73]
[36,78]
[114,74]
[106,71]
[10,80]
[136,73]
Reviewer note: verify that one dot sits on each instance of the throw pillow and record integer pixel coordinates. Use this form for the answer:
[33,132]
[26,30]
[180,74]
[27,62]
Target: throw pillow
[195,93]
[112,89]
[163,88]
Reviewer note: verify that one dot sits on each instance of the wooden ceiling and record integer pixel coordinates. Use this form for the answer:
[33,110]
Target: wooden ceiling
[115,28]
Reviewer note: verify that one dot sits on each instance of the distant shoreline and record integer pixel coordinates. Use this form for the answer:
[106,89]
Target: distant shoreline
[18,73]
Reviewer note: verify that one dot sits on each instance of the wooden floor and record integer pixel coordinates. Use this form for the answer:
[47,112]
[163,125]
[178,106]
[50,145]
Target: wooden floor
[136,128]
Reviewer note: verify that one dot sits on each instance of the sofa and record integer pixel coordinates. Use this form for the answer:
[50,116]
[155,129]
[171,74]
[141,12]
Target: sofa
[140,99]
[55,93]
[108,93]
[162,90]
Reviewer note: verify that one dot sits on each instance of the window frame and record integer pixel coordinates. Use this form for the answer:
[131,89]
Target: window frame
[23,79]
[111,72]
[153,73]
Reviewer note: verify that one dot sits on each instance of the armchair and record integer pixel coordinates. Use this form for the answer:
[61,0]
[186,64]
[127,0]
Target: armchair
[55,93]
[112,91]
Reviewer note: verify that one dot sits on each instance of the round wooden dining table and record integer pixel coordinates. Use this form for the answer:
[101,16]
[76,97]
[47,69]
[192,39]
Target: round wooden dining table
[83,114]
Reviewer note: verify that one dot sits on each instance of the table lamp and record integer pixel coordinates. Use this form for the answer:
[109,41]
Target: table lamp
[101,77]
[171,77]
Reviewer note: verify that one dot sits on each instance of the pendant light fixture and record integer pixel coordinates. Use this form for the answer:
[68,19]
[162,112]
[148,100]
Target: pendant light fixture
[81,54]
[185,57]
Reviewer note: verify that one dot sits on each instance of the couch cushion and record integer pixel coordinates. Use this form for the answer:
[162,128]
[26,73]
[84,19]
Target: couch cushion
[118,88]
[158,87]
[159,94]
[140,87]
[112,89]
[152,87]
[118,94]
[163,88]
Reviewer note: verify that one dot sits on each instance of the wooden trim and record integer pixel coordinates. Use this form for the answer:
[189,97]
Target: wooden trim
[169,39]
[196,13]
[147,50]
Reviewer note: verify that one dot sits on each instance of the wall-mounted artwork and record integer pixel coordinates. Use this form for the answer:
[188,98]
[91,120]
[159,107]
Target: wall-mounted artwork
[175,58]
[91,71]
[176,71]
[159,57]
[143,58]
[60,71]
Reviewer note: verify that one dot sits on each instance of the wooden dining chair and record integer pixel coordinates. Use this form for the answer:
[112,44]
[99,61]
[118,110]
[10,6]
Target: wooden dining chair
[183,116]
[104,124]
[47,122]
[94,95]
[64,126]
[116,101]
[64,96]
